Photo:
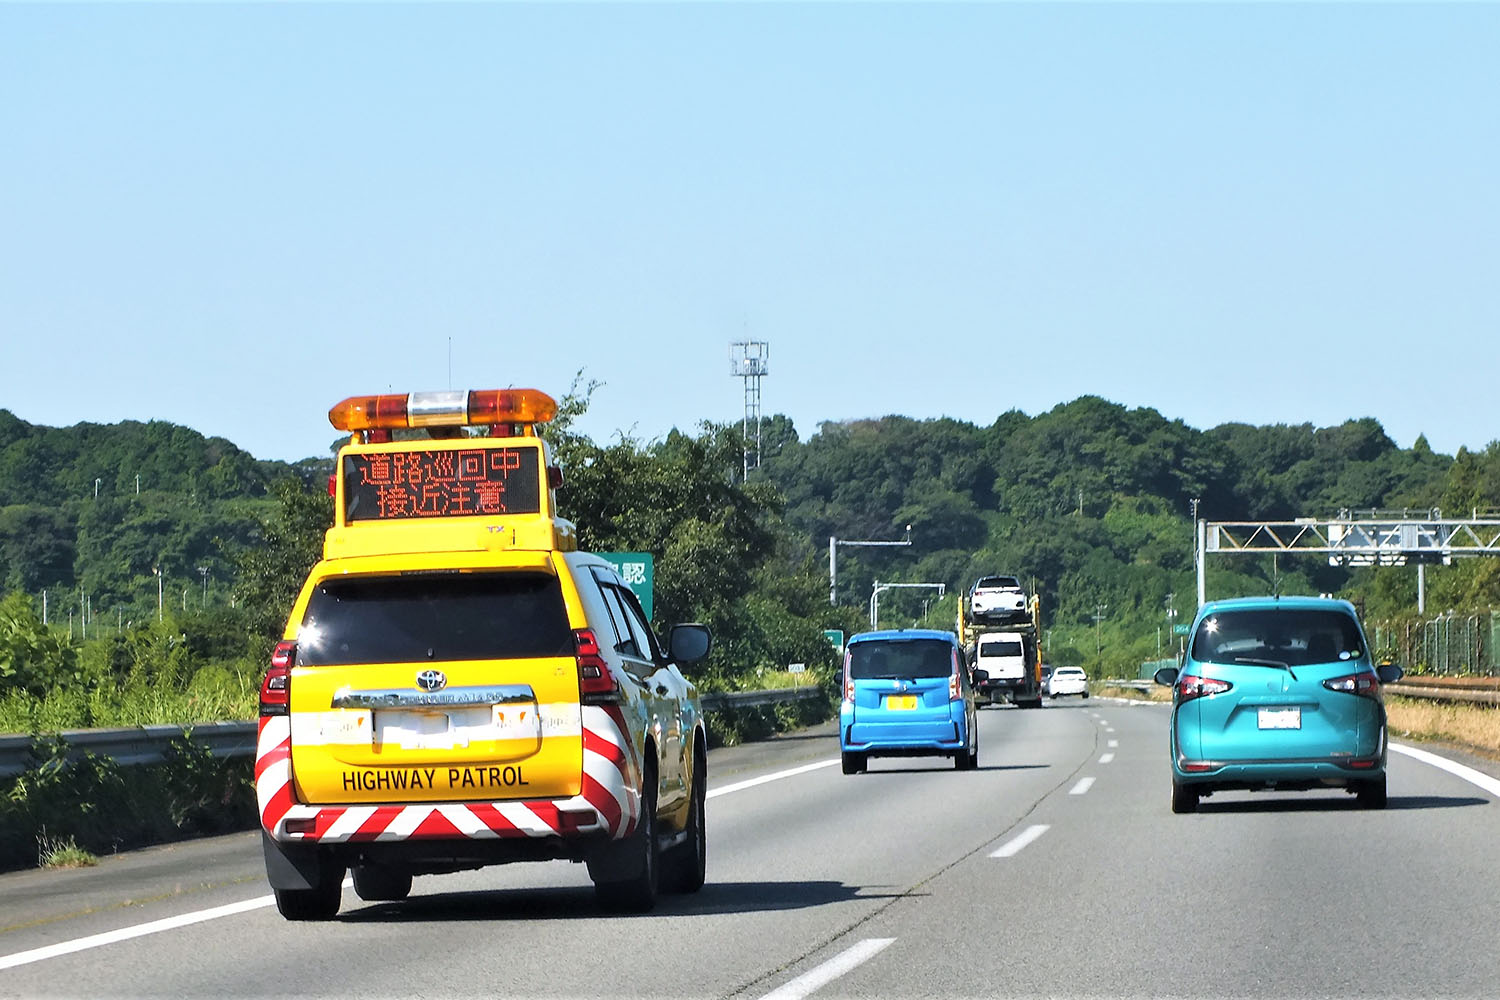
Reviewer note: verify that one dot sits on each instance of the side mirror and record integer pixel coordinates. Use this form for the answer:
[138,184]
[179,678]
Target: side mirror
[1166,676]
[687,644]
[980,676]
[1389,673]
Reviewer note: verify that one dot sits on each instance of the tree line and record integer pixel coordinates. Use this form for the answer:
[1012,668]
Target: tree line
[178,580]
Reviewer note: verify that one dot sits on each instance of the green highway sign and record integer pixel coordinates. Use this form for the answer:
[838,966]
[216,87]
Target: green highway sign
[637,570]
[1179,629]
[836,637]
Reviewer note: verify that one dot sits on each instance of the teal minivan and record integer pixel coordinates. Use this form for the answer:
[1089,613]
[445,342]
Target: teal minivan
[907,693]
[1277,694]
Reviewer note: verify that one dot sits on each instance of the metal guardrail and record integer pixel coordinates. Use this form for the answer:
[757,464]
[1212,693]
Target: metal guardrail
[148,744]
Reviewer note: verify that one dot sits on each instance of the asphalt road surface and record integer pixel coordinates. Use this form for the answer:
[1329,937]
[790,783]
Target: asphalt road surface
[1056,869]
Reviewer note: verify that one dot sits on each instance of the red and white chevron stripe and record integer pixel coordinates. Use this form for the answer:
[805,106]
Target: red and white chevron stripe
[611,791]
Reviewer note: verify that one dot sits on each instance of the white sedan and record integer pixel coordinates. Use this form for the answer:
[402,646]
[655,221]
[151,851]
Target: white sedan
[1067,680]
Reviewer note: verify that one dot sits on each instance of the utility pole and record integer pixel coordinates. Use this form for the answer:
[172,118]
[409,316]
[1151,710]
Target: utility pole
[1099,616]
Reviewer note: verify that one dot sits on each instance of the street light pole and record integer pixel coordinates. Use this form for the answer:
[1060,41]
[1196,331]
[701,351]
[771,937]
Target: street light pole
[833,558]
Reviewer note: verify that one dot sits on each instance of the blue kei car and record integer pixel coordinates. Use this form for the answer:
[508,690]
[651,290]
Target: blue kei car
[907,693]
[1277,694]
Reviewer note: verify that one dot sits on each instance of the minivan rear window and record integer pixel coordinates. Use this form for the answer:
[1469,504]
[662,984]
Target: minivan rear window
[900,658]
[1292,638]
[430,617]
[1006,648]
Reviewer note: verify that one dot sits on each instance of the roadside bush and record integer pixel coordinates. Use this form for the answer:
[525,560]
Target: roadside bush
[103,807]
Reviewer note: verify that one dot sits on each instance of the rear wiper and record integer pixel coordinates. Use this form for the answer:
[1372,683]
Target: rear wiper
[1254,661]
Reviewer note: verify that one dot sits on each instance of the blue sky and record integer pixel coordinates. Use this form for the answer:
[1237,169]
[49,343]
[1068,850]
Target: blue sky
[231,217]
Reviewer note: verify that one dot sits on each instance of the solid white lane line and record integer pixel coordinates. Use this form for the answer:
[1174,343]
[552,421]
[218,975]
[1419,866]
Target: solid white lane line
[1013,846]
[838,965]
[1473,777]
[763,779]
[1084,784]
[1106,758]
[229,910]
[139,930]
[1114,743]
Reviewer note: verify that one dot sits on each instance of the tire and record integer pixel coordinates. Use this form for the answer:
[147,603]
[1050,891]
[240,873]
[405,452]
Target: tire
[321,902]
[377,884]
[1085,696]
[1184,798]
[854,763]
[961,760]
[637,894]
[684,866]
[1371,794]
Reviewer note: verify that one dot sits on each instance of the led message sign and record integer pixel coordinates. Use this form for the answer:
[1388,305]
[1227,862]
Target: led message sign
[399,485]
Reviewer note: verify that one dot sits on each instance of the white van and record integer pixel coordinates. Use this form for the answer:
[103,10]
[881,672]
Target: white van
[1003,657]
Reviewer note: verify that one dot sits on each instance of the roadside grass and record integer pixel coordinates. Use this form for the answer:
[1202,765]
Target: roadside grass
[1476,726]
[62,852]
[1154,693]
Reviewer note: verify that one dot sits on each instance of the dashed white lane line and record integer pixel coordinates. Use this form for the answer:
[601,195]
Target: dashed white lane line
[1114,743]
[1109,729]
[139,930]
[840,964]
[1013,846]
[1084,784]
[1103,722]
[1106,758]
[763,779]
[1473,777]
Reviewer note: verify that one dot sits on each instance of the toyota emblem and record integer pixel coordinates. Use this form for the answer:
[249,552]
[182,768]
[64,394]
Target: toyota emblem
[432,680]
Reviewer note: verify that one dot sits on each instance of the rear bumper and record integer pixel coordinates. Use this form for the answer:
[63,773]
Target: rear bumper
[935,737]
[1276,774]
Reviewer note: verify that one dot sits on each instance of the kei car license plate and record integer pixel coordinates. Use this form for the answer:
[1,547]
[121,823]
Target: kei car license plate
[1280,718]
[901,701]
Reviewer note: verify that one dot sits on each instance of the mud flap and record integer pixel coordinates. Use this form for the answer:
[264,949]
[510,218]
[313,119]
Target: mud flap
[294,866]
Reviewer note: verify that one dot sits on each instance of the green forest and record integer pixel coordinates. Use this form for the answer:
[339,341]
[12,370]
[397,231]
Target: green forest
[147,569]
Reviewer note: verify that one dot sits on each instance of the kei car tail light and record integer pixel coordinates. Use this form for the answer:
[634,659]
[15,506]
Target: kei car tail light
[1361,684]
[596,685]
[1190,686]
[953,682]
[848,680]
[276,688]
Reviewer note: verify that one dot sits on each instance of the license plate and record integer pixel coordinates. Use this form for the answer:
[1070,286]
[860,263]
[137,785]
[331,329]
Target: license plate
[1280,718]
[900,702]
[457,728]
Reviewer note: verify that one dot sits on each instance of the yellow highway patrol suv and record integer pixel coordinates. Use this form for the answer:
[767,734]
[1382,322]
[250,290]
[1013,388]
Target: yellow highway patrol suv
[458,686]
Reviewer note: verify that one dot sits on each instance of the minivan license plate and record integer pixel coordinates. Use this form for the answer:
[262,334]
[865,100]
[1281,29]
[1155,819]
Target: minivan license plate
[1281,718]
[901,701]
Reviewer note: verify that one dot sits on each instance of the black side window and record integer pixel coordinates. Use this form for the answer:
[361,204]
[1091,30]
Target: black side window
[638,622]
[625,641]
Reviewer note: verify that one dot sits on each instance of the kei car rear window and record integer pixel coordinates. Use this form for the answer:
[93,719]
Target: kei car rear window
[1293,638]
[428,617]
[900,658]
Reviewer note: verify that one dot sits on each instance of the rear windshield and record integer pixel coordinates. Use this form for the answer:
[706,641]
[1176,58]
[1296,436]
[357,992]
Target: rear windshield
[988,649]
[900,658]
[1293,638]
[397,619]
[998,582]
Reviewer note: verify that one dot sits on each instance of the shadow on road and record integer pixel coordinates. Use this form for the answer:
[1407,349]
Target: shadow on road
[949,767]
[575,903]
[1345,803]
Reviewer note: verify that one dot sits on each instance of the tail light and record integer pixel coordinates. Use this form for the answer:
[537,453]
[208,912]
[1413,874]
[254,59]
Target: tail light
[1190,686]
[1362,684]
[953,682]
[596,685]
[276,688]
[848,680]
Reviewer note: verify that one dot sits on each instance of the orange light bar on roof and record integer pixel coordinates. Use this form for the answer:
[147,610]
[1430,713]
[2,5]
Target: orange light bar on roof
[450,408]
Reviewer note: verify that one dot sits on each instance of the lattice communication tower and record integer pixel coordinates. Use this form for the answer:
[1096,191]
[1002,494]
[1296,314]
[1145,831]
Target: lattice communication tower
[749,360]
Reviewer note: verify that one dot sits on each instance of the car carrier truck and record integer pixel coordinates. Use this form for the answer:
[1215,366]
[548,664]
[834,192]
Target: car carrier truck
[1008,652]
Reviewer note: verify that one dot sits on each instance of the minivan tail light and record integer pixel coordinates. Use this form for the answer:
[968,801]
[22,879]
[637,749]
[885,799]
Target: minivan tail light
[596,685]
[1361,684]
[1190,686]
[276,688]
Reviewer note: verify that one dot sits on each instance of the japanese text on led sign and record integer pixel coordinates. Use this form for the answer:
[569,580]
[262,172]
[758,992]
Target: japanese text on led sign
[448,483]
